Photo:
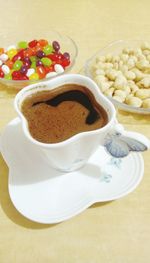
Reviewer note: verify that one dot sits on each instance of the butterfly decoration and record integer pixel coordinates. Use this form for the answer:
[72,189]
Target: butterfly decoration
[119,145]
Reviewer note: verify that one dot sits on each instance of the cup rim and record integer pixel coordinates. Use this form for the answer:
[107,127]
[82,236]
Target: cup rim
[68,77]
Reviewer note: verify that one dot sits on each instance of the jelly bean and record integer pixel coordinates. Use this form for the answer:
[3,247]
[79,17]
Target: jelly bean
[16,75]
[65,62]
[66,55]
[27,64]
[23,77]
[9,63]
[51,74]
[1,50]
[55,45]
[49,69]
[33,43]
[17,65]
[40,54]
[28,52]
[39,63]
[58,68]
[41,71]
[3,57]
[33,58]
[33,51]
[22,44]
[1,73]
[27,59]
[1,62]
[43,42]
[5,69]
[34,76]
[23,69]
[8,76]
[46,61]
[11,53]
[30,72]
[33,64]
[18,56]
[48,49]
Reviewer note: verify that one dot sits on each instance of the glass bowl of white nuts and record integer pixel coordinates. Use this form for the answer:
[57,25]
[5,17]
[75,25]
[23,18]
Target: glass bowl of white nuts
[122,72]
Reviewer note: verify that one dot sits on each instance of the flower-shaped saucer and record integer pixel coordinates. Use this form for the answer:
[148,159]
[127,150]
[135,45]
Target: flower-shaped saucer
[45,195]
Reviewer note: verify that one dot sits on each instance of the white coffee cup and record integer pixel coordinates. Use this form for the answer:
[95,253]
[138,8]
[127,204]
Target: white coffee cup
[73,153]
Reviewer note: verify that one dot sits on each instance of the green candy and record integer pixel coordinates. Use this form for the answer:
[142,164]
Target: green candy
[23,44]
[46,61]
[33,64]
[33,58]
[17,65]
[8,76]
[48,49]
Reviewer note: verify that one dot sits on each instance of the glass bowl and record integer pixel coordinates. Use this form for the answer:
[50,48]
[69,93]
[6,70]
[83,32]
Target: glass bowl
[66,45]
[115,48]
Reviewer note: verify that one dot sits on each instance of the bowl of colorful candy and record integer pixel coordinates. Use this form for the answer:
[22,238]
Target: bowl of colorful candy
[27,61]
[122,72]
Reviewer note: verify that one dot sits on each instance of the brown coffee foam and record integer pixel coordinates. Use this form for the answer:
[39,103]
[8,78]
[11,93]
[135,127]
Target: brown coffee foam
[50,124]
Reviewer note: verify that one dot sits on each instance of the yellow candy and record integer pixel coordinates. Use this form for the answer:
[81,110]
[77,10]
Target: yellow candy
[11,53]
[34,76]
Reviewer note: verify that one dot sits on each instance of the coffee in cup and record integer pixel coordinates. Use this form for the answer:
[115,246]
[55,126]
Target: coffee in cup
[58,114]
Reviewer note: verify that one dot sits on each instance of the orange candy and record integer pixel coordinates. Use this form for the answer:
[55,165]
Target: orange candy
[41,72]
[43,42]
[28,52]
[1,50]
[9,63]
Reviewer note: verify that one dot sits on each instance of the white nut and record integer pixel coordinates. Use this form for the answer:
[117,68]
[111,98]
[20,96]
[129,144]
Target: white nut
[138,73]
[146,103]
[99,78]
[146,52]
[118,98]
[111,74]
[130,75]
[109,92]
[124,57]
[142,64]
[143,93]
[104,86]
[134,101]
[145,82]
[120,93]
[132,86]
[108,58]
[120,82]
[131,63]
[99,72]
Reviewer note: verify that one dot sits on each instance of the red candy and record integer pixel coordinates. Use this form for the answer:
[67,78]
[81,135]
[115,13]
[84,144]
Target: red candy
[1,73]
[33,43]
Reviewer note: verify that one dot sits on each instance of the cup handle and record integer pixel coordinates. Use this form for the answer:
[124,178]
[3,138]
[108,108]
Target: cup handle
[119,143]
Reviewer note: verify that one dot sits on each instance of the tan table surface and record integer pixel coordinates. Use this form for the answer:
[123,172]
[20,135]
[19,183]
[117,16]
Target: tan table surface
[113,232]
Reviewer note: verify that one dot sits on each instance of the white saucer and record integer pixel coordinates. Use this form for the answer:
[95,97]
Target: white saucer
[47,196]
